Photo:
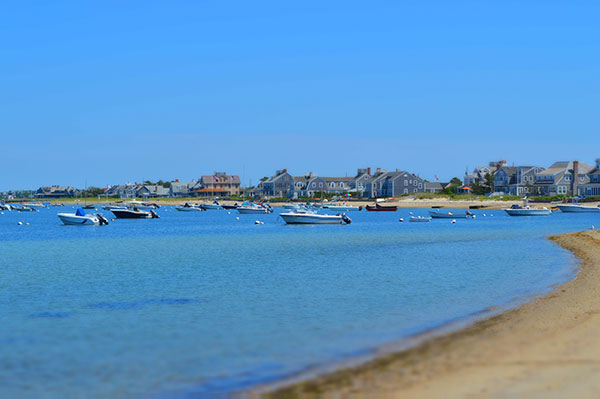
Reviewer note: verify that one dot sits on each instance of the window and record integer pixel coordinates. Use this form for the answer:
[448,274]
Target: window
[342,184]
[415,190]
[321,184]
[405,190]
[568,177]
[332,184]
[406,182]
[314,184]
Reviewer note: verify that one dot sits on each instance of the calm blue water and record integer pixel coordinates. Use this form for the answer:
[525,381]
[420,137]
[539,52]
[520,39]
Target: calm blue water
[197,303]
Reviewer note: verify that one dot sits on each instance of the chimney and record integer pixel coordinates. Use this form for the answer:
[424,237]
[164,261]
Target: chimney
[369,170]
[575,177]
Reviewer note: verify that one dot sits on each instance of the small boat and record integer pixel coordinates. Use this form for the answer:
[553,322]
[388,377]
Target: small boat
[419,219]
[381,208]
[225,206]
[343,208]
[211,207]
[34,205]
[450,215]
[89,206]
[79,218]
[189,208]
[574,207]
[304,217]
[516,210]
[25,208]
[134,213]
[144,206]
[6,207]
[110,207]
[252,208]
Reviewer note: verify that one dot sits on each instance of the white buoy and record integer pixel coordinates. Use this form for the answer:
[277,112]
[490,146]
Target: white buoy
[402,219]
[229,213]
[453,221]
[492,214]
[20,223]
[410,213]
[258,222]
[27,223]
[237,218]
[1,213]
[484,214]
[593,228]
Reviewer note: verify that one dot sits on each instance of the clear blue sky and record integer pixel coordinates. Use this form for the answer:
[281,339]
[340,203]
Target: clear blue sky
[112,91]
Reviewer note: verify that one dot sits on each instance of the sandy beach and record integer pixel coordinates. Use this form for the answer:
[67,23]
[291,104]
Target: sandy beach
[546,348]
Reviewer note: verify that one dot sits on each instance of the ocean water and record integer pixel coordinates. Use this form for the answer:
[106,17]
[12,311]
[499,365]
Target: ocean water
[204,304]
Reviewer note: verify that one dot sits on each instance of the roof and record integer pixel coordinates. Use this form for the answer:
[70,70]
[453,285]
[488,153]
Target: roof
[337,178]
[220,179]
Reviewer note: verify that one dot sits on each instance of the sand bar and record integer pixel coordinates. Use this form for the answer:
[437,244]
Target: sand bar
[546,348]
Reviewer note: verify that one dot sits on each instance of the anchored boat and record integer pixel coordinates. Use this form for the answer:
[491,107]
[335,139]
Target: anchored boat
[134,214]
[80,218]
[306,217]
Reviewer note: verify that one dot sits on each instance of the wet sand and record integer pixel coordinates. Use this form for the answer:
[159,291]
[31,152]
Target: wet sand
[546,348]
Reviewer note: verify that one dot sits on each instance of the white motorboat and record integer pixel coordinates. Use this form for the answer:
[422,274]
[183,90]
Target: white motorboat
[80,218]
[110,207]
[419,219]
[576,208]
[305,217]
[450,215]
[214,206]
[34,205]
[252,208]
[189,208]
[144,206]
[528,211]
[342,208]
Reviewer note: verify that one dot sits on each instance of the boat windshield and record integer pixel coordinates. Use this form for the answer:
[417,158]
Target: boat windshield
[80,212]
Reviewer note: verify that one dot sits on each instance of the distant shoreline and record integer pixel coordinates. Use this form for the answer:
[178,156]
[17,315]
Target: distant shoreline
[546,346]
[403,203]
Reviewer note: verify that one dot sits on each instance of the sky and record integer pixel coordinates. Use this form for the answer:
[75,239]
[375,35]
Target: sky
[97,93]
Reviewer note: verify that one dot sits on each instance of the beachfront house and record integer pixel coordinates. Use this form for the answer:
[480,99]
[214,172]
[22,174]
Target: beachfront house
[479,173]
[153,191]
[515,180]
[338,185]
[357,184]
[433,187]
[562,178]
[400,182]
[592,186]
[56,192]
[219,184]
[278,185]
[307,185]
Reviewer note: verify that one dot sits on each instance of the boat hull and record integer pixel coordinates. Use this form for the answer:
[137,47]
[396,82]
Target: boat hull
[380,208]
[528,212]
[131,214]
[578,209]
[291,218]
[211,207]
[343,208]
[189,209]
[253,211]
[72,219]
[444,215]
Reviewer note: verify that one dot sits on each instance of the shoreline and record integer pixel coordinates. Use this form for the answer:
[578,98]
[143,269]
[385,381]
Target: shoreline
[539,348]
